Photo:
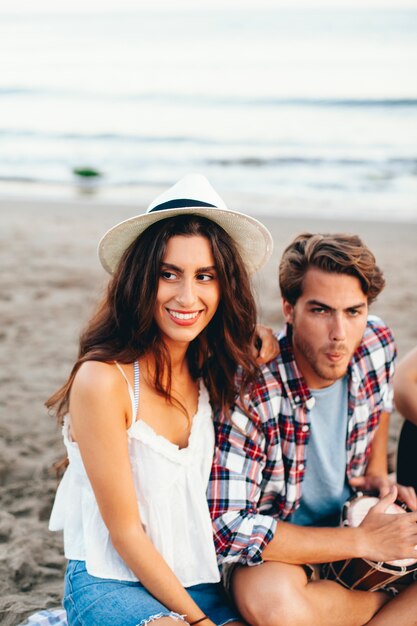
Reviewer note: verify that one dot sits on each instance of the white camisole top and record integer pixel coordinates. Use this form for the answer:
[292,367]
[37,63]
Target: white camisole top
[170,487]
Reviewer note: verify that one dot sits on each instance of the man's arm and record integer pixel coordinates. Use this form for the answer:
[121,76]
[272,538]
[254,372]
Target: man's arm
[247,462]
[405,386]
[376,476]
[380,537]
[248,473]
[378,457]
[404,383]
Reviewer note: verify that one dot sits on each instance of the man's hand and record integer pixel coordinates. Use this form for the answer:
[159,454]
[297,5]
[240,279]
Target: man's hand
[383,485]
[266,346]
[389,537]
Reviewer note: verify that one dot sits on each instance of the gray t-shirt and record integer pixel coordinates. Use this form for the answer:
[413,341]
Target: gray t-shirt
[325,488]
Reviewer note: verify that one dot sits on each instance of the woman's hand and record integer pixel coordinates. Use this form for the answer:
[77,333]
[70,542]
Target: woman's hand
[266,346]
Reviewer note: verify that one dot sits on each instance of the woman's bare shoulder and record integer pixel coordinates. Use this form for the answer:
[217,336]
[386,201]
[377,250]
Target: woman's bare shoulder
[98,377]
[98,395]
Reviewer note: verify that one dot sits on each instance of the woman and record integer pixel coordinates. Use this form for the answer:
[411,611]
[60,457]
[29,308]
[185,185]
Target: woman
[159,355]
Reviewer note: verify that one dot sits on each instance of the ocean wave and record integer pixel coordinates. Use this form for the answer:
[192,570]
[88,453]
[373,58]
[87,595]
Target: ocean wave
[12,133]
[204,99]
[318,161]
[244,153]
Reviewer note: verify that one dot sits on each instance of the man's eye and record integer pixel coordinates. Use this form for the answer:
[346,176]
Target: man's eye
[319,310]
[353,312]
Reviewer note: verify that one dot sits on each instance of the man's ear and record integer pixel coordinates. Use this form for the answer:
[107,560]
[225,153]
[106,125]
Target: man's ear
[288,311]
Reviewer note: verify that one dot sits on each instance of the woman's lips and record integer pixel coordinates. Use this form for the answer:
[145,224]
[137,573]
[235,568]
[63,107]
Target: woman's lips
[183,318]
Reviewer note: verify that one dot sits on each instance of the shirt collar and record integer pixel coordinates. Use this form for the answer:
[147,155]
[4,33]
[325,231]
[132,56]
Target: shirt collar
[293,382]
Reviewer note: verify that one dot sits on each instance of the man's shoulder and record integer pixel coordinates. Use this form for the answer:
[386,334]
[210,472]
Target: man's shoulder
[377,336]
[268,382]
[377,350]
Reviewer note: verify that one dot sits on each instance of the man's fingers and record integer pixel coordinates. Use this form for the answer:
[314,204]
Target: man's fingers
[386,500]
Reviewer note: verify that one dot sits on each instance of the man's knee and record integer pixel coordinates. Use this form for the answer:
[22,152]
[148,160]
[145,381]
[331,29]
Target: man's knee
[271,600]
[286,606]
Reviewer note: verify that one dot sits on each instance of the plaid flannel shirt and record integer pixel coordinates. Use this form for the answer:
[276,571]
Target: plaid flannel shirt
[259,463]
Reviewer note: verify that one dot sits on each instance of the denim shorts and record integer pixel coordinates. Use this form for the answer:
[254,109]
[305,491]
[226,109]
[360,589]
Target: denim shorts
[92,601]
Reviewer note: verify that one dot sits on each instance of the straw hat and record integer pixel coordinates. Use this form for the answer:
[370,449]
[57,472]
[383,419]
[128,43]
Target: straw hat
[192,195]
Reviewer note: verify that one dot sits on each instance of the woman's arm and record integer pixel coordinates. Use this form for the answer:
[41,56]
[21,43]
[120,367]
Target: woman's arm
[99,411]
[405,386]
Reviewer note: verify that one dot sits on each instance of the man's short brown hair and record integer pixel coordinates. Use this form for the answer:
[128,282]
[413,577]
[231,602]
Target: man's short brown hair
[335,253]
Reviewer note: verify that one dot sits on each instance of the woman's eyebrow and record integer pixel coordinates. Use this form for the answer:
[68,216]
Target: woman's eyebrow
[170,266]
[209,268]
[199,270]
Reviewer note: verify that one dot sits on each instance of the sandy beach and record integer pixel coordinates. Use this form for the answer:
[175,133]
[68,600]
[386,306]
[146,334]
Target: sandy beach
[50,280]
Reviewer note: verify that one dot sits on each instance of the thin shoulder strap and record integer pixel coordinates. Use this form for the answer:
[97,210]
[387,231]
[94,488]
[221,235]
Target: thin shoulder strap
[132,394]
[135,390]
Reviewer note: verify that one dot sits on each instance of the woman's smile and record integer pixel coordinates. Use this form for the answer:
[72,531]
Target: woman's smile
[183,318]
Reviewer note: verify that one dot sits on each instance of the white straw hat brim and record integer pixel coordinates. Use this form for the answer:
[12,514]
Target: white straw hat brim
[253,239]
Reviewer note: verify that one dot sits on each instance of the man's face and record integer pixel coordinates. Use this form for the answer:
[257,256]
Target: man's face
[328,321]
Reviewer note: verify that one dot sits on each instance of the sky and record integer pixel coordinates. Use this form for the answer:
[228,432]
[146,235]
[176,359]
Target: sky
[58,6]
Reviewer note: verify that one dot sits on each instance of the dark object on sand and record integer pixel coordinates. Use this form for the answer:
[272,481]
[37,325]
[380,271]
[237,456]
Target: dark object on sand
[86,172]
[87,179]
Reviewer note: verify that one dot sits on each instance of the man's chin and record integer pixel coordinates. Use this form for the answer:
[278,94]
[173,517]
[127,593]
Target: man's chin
[334,372]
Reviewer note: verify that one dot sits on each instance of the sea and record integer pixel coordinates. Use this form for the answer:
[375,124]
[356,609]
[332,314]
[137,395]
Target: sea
[310,107]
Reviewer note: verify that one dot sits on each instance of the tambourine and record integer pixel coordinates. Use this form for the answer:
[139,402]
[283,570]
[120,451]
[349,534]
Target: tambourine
[364,574]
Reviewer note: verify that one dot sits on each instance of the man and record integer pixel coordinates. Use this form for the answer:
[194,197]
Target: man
[313,427]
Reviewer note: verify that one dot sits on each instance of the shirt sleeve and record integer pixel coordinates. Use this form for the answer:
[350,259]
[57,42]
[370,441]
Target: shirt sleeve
[383,355]
[246,479]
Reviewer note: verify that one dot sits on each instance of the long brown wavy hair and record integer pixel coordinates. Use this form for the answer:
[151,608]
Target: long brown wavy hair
[123,327]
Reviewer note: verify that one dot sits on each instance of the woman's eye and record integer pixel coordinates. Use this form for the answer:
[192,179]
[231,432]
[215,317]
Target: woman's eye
[204,277]
[168,275]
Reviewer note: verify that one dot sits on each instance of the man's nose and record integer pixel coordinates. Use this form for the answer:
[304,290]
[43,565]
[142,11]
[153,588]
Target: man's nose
[337,330]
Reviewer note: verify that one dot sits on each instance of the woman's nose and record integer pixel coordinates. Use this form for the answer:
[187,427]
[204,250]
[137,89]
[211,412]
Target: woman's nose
[186,295]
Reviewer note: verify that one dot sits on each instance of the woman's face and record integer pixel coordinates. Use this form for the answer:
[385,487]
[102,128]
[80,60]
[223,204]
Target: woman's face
[188,290]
